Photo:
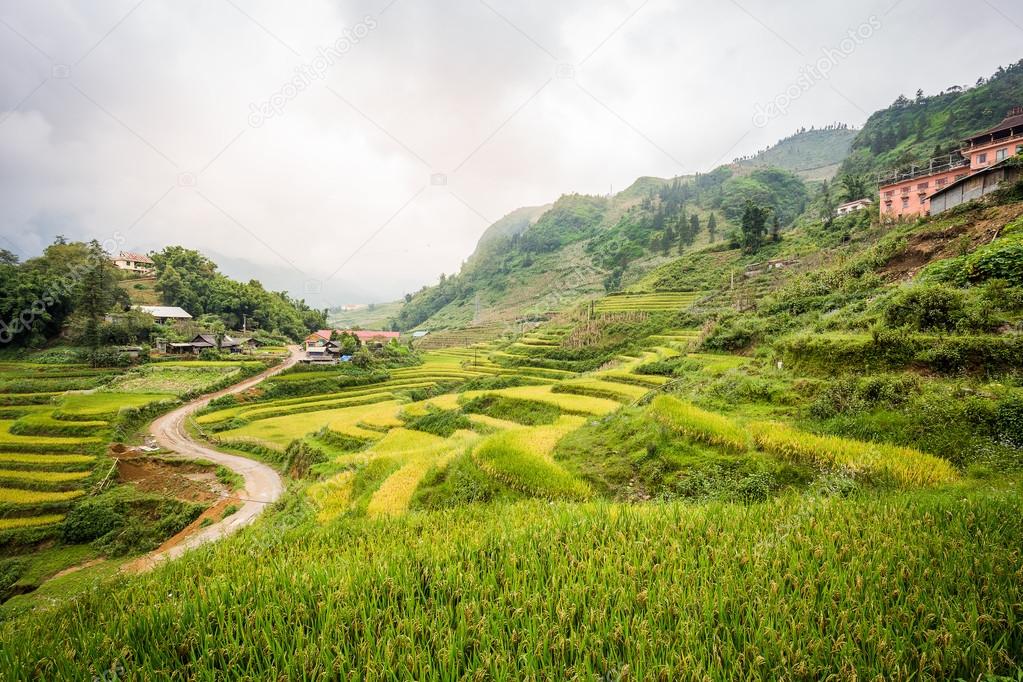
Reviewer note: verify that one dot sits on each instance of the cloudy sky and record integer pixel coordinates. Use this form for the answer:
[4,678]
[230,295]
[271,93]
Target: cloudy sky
[354,150]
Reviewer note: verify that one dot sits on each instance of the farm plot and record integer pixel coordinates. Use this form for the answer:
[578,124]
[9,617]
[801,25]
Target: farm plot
[652,302]
[49,443]
[179,378]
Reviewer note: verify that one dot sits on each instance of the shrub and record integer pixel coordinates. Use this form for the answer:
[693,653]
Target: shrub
[441,423]
[925,307]
[301,457]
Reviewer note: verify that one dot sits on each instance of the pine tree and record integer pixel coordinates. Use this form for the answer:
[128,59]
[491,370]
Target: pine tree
[712,227]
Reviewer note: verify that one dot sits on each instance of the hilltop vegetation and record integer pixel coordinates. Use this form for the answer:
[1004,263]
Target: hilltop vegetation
[813,154]
[913,130]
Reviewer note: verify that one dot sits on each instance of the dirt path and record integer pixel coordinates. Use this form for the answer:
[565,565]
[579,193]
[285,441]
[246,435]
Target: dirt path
[263,485]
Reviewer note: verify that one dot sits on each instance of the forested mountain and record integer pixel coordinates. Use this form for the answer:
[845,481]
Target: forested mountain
[813,154]
[584,245]
[917,129]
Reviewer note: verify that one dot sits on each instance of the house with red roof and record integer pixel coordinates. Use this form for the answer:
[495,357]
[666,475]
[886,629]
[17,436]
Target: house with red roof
[138,263]
[321,337]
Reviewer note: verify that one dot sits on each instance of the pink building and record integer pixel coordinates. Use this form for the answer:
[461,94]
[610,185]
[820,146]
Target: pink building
[909,192]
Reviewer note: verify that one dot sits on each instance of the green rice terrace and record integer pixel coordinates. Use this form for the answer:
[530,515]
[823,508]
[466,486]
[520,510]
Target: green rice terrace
[677,486]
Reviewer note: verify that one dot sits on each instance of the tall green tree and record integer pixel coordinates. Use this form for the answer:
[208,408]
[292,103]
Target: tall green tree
[98,292]
[712,227]
[754,222]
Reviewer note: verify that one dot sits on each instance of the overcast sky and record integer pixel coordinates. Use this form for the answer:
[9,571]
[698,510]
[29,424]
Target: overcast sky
[353,151]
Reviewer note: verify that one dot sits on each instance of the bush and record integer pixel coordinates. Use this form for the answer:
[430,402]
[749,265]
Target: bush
[301,457]
[122,521]
[91,519]
[441,423]
[926,308]
[1008,421]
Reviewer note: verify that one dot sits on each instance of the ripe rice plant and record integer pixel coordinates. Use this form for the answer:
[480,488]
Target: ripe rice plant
[30,521]
[23,459]
[23,476]
[507,458]
[904,466]
[692,422]
[14,496]
[810,588]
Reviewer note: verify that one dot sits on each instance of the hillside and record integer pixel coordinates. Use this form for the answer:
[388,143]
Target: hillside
[369,316]
[814,154]
[915,130]
[584,246]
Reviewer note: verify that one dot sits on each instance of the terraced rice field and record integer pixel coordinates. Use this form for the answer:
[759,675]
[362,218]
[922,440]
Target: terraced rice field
[380,450]
[56,422]
[653,302]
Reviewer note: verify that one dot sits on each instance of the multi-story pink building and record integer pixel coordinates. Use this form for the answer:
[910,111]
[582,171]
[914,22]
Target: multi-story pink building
[909,192]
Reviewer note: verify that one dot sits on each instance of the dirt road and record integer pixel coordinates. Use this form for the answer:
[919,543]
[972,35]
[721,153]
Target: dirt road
[263,485]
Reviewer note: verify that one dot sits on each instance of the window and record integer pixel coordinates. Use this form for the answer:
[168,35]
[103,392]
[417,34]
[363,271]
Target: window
[1019,149]
[1001,154]
[889,194]
[905,190]
[940,182]
[982,158]
[905,202]
[923,185]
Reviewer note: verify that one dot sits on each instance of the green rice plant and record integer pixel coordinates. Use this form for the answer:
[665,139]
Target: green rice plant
[506,457]
[708,427]
[901,465]
[30,521]
[43,424]
[27,398]
[103,405]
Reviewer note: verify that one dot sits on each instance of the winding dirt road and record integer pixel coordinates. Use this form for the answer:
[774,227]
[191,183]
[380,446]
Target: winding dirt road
[263,485]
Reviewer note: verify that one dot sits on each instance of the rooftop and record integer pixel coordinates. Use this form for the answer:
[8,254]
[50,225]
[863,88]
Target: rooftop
[168,311]
[1014,119]
[136,257]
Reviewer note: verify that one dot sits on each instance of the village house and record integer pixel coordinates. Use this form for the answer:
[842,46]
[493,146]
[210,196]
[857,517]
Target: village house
[165,313]
[203,342]
[910,192]
[853,206]
[321,338]
[137,263]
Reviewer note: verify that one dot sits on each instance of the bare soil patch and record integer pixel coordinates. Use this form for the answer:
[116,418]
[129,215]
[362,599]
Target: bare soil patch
[960,237]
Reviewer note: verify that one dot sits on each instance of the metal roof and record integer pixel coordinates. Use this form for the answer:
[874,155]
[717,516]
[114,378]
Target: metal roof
[165,311]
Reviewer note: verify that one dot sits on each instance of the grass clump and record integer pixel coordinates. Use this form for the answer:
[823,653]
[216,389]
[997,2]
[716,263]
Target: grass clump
[441,423]
[518,410]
